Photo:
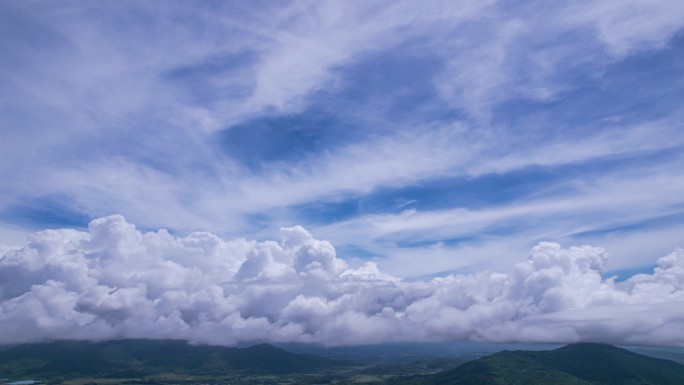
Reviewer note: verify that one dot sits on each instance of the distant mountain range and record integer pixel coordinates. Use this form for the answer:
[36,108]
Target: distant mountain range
[575,364]
[137,358]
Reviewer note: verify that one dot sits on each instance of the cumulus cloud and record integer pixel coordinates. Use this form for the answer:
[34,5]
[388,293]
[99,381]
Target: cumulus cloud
[114,281]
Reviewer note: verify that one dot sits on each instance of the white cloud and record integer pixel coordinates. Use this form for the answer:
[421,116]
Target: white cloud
[311,39]
[624,26]
[114,281]
[522,50]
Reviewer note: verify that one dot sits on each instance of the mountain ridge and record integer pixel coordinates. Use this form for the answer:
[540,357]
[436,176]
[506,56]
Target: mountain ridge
[132,358]
[574,364]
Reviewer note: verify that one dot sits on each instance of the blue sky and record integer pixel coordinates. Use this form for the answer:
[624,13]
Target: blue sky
[431,139]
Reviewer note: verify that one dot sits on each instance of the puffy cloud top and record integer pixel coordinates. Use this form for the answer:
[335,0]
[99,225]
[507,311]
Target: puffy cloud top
[114,281]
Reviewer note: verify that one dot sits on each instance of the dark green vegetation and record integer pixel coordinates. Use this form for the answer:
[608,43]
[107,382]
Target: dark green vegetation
[432,365]
[139,358]
[176,362]
[575,364]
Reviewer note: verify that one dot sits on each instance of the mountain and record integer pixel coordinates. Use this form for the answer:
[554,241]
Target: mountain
[135,358]
[575,364]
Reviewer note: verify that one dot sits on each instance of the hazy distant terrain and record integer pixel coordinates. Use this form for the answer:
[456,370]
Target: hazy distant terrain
[169,361]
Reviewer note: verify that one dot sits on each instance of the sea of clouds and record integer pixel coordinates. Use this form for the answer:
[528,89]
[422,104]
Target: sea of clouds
[114,281]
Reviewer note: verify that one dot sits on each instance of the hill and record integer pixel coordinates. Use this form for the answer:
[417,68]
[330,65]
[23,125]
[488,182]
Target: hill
[575,364]
[136,358]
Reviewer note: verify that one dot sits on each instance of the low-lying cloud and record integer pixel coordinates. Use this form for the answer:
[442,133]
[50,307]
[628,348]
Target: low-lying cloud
[114,281]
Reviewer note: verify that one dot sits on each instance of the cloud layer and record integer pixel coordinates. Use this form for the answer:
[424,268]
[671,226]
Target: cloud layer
[114,281]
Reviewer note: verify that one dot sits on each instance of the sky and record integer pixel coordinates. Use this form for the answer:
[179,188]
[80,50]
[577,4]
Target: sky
[342,172]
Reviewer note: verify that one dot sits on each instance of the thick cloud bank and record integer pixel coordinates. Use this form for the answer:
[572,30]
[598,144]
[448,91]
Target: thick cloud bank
[115,282]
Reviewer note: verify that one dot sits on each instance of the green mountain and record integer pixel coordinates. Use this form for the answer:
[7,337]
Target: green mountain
[575,364]
[136,358]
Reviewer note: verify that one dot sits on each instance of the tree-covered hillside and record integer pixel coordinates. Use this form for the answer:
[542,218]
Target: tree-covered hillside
[575,364]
